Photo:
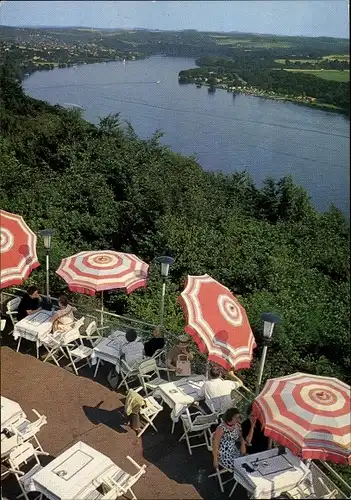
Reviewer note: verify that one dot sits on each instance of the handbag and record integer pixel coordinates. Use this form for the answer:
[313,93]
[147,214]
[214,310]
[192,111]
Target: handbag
[183,366]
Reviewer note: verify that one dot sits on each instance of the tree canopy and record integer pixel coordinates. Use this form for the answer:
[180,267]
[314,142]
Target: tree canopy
[102,187]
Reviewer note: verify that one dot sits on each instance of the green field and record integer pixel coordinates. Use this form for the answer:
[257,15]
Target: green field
[340,57]
[312,61]
[257,44]
[326,74]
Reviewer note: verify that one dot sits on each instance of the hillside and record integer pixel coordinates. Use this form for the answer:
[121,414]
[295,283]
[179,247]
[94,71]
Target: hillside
[103,187]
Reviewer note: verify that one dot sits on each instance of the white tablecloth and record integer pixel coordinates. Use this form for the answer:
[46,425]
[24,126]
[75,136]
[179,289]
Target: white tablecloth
[182,393]
[273,473]
[72,474]
[33,327]
[10,412]
[109,349]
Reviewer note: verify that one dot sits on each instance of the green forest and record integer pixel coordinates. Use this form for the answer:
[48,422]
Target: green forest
[102,187]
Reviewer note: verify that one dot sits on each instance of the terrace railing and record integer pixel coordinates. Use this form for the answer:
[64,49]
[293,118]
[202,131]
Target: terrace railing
[115,321]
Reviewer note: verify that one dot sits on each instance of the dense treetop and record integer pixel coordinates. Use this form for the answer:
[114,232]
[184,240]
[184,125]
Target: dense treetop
[104,188]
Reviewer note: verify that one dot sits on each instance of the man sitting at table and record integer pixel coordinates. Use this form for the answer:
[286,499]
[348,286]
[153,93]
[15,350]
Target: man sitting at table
[133,350]
[181,348]
[216,391]
[157,342]
[254,439]
[30,303]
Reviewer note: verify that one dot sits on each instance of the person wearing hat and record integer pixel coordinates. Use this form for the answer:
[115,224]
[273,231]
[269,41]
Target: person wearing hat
[182,347]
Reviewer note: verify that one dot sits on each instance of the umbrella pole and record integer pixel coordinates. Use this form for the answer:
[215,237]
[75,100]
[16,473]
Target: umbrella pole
[102,308]
[263,360]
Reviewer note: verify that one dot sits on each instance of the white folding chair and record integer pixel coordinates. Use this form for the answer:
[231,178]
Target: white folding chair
[81,352]
[160,357]
[22,455]
[27,431]
[11,309]
[148,413]
[149,375]
[56,342]
[123,481]
[128,373]
[201,425]
[219,473]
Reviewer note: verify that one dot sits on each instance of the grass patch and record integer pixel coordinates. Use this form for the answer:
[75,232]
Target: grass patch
[340,57]
[282,61]
[258,44]
[326,74]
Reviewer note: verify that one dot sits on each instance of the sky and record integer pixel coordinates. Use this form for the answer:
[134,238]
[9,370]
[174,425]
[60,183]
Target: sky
[288,17]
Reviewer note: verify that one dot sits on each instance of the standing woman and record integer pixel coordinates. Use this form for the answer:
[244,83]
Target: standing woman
[227,443]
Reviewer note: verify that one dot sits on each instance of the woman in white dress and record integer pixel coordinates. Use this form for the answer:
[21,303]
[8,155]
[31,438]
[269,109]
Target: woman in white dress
[63,319]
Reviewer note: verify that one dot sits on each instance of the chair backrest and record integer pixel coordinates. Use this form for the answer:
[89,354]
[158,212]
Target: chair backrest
[91,328]
[79,323]
[204,421]
[13,304]
[158,354]
[21,455]
[148,367]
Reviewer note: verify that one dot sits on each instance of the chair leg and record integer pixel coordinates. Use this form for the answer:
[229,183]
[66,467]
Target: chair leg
[72,363]
[37,346]
[233,489]
[132,493]
[173,426]
[97,367]
[18,344]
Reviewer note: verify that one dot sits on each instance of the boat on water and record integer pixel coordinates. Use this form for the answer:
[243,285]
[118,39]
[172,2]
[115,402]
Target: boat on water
[198,85]
[158,81]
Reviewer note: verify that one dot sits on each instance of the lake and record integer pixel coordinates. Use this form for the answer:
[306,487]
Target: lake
[266,138]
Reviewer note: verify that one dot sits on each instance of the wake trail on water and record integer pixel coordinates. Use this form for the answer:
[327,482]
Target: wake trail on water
[226,117]
[188,111]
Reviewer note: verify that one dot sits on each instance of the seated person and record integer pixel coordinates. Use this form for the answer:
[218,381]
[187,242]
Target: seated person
[133,350]
[254,439]
[216,391]
[181,348]
[154,344]
[231,375]
[63,319]
[30,303]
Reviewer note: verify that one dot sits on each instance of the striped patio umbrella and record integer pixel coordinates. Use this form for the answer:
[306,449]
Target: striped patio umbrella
[308,414]
[217,322]
[18,254]
[96,271]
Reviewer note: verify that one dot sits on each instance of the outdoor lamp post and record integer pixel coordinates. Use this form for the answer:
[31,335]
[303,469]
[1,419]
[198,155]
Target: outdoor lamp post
[269,320]
[165,262]
[47,235]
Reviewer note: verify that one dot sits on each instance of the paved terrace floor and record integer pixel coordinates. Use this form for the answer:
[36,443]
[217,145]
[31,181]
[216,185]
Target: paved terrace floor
[82,409]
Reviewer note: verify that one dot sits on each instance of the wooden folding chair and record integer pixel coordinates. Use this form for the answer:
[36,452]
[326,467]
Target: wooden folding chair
[128,374]
[22,455]
[218,474]
[11,309]
[123,481]
[27,430]
[201,426]
[149,375]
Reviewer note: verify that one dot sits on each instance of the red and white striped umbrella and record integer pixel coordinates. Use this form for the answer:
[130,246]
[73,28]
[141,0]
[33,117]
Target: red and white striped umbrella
[308,414]
[18,253]
[217,322]
[95,271]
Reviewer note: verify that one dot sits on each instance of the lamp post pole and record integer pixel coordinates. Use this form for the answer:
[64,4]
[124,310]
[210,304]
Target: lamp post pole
[269,320]
[165,262]
[47,235]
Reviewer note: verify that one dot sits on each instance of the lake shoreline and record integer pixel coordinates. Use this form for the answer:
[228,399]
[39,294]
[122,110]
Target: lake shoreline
[268,97]
[224,134]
